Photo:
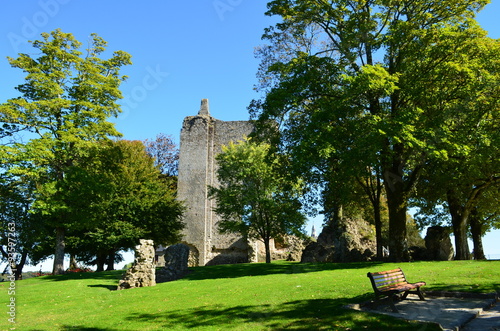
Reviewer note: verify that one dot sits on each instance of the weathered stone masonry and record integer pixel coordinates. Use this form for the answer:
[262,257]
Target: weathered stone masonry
[202,137]
[142,272]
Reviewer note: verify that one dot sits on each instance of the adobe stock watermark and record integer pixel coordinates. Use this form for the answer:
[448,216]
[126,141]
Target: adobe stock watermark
[11,279]
[153,78]
[32,26]
[394,178]
[224,6]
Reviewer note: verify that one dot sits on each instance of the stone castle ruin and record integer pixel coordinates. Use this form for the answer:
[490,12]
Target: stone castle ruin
[202,137]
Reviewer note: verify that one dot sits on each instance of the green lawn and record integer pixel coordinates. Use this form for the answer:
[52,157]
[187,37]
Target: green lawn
[280,296]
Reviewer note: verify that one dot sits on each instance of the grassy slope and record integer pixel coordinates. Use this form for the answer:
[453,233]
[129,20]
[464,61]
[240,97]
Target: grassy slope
[282,295]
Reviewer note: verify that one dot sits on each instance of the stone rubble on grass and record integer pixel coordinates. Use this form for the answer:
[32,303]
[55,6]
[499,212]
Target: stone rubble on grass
[142,272]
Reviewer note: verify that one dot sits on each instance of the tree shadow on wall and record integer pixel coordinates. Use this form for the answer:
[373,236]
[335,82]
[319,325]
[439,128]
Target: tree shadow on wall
[317,314]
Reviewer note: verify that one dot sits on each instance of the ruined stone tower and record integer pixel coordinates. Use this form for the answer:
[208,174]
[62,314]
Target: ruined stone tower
[202,137]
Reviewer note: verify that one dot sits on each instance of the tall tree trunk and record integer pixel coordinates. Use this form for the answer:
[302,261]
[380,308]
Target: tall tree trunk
[100,262]
[476,228]
[17,268]
[459,219]
[397,228]
[111,260]
[397,206]
[72,262]
[378,231]
[268,250]
[58,268]
[460,233]
[373,189]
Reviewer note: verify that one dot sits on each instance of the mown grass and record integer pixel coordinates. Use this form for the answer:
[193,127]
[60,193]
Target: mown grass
[279,296]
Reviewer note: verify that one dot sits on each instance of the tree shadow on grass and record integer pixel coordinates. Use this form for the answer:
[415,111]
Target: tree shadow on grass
[107,287]
[79,328]
[228,270]
[116,274]
[84,328]
[472,289]
[315,314]
[263,269]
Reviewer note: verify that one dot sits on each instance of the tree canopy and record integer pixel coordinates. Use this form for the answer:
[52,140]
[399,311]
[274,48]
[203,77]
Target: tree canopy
[63,108]
[383,85]
[135,202]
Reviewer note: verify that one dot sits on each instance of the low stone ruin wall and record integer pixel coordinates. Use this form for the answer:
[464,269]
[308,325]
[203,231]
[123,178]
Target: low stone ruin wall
[142,272]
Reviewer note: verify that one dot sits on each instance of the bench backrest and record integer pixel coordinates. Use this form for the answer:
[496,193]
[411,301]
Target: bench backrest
[386,279]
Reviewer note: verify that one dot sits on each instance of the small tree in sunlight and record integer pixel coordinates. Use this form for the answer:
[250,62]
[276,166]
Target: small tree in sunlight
[254,199]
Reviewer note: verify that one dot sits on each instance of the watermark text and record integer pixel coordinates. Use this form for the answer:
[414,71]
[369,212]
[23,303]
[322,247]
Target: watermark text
[32,26]
[153,78]
[11,290]
[225,6]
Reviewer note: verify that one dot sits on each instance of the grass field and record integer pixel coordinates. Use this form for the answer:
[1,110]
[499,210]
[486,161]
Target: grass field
[279,296]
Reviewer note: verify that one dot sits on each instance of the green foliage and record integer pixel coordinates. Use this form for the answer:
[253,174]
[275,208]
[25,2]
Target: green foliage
[276,296]
[63,108]
[135,202]
[150,200]
[254,198]
[387,86]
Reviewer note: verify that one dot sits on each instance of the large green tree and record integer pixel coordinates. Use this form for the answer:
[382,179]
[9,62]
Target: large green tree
[254,198]
[465,183]
[136,201]
[64,105]
[375,83]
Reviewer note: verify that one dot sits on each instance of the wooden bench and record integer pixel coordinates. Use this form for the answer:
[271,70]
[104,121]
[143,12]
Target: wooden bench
[393,282]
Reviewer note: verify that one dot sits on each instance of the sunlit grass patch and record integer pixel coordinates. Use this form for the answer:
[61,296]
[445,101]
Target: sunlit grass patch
[277,296]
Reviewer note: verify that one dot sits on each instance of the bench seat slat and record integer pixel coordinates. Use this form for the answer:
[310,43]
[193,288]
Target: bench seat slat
[393,274]
[383,283]
[389,281]
[391,285]
[387,272]
[404,287]
[389,277]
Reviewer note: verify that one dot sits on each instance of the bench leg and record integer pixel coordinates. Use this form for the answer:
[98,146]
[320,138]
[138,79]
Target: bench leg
[393,298]
[420,295]
[390,298]
[417,292]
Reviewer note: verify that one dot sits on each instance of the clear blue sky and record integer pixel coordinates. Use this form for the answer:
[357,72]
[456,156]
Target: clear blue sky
[182,51]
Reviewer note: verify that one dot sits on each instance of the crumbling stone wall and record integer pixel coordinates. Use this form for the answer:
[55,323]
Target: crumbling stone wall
[202,137]
[289,248]
[176,263]
[346,240]
[142,272]
[438,244]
